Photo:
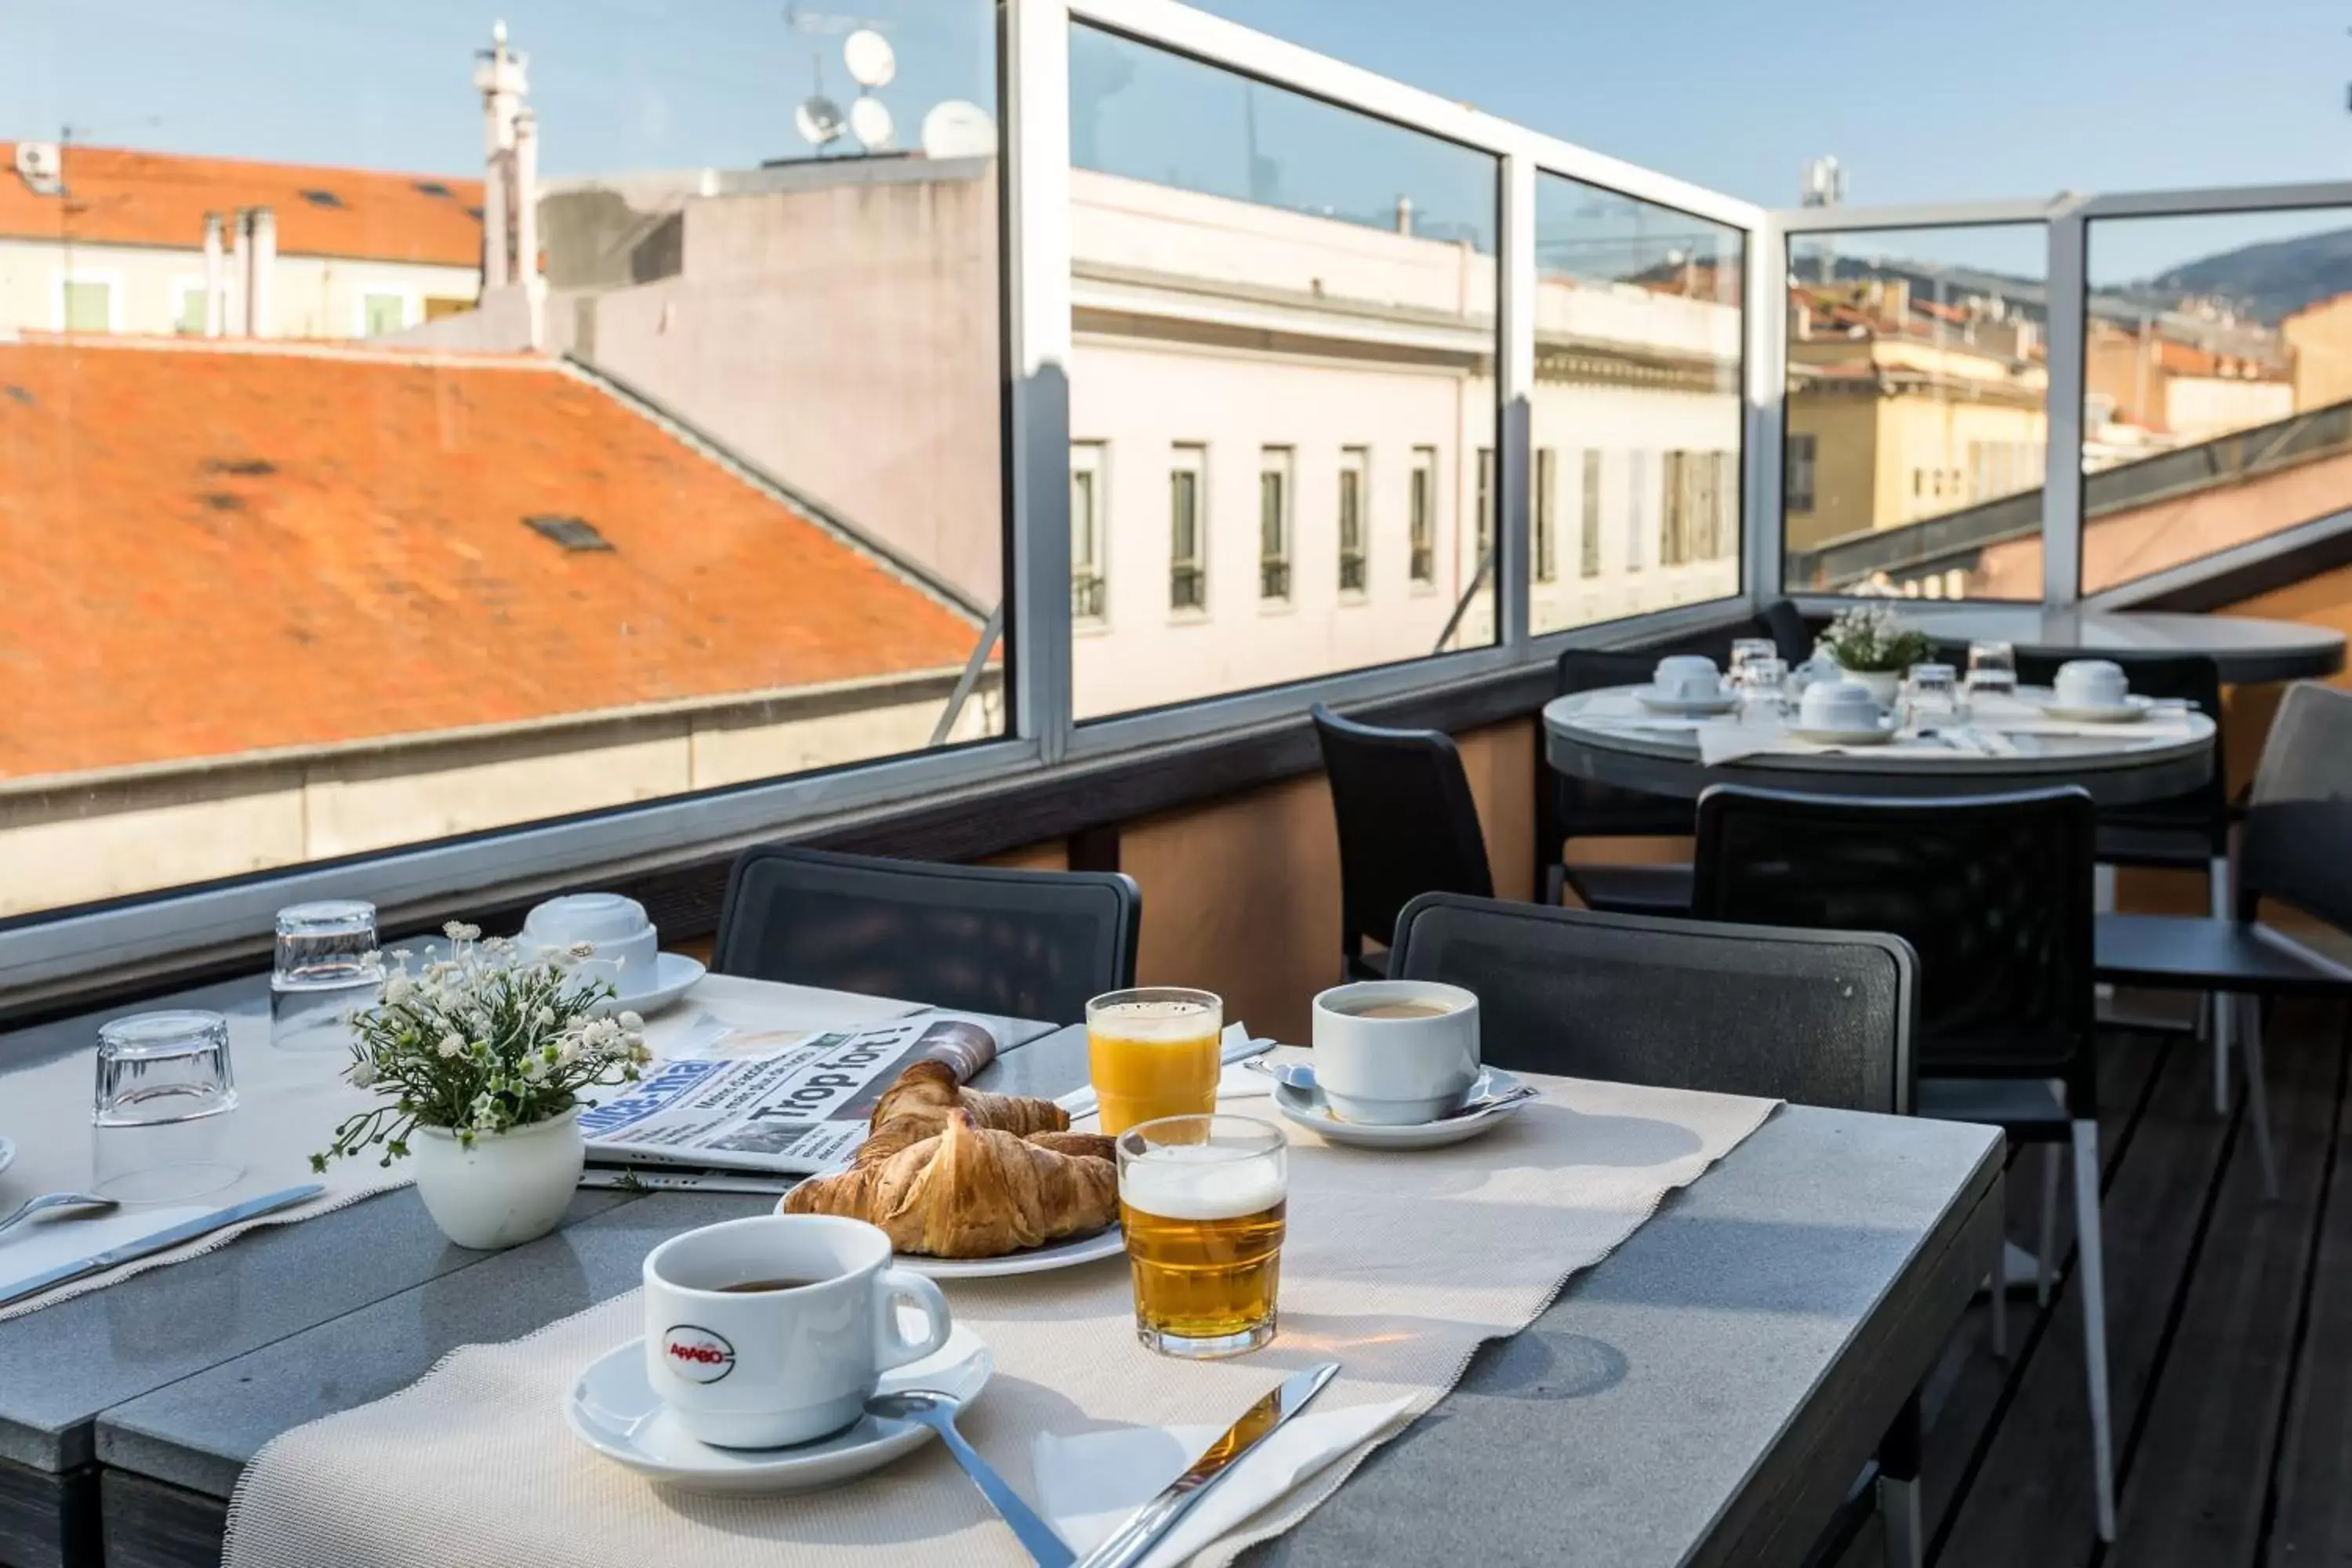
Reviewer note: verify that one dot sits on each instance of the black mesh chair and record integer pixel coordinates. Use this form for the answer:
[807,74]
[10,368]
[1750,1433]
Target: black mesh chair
[1785,625]
[2295,847]
[1993,892]
[980,938]
[1813,1017]
[1580,808]
[1407,826]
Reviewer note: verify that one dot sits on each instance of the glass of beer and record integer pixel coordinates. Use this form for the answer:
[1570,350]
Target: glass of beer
[1202,1199]
[1154,1052]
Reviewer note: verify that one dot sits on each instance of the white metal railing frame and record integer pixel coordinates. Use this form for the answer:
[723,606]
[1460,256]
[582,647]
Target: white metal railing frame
[162,927]
[2067,218]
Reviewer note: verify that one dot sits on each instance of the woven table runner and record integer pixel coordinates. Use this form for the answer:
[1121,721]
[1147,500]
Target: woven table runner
[1395,1265]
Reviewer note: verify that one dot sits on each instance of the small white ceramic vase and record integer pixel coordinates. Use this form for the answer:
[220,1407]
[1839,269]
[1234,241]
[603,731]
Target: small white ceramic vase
[1886,685]
[509,1188]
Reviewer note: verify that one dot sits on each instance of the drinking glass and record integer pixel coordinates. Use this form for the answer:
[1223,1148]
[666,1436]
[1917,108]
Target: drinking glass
[160,1124]
[1744,648]
[1152,1052]
[1992,669]
[1932,696]
[1202,1199]
[1761,683]
[327,964]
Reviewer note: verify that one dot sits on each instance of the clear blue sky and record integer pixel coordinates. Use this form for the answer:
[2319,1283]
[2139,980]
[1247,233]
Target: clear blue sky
[1996,98]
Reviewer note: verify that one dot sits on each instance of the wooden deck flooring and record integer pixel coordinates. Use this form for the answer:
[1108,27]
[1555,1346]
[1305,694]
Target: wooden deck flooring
[2229,1334]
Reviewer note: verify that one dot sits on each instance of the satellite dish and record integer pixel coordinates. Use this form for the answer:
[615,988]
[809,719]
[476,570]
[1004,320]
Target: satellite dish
[869,121]
[959,129]
[872,61]
[819,119]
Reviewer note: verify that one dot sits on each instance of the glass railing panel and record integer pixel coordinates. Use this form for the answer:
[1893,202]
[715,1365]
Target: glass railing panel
[1918,423]
[1636,407]
[1283,323]
[2217,384]
[361,488]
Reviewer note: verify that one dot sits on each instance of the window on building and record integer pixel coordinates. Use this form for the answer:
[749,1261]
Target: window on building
[1726,514]
[1637,495]
[1273,523]
[381,313]
[188,313]
[1588,545]
[1546,516]
[1798,479]
[1188,544]
[1355,475]
[1421,503]
[88,305]
[1087,530]
[1486,520]
[1674,509]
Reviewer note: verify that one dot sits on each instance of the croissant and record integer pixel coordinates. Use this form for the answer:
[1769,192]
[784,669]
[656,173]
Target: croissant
[915,1107]
[970,1191]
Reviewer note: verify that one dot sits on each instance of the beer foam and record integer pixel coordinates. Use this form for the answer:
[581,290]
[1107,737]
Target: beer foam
[1197,1182]
[1165,1020]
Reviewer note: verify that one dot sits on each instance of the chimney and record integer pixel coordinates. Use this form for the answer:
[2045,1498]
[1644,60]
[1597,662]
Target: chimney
[501,76]
[525,165]
[216,278]
[240,295]
[260,289]
[1404,214]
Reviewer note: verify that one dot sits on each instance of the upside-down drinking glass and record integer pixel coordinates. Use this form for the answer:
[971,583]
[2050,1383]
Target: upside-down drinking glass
[1992,669]
[327,965]
[160,1127]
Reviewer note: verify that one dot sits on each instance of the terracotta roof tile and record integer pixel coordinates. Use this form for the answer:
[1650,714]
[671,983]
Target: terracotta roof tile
[216,550]
[116,195]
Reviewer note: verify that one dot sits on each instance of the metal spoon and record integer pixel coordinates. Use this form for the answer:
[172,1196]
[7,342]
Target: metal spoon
[32,1206]
[931,1408]
[1300,1077]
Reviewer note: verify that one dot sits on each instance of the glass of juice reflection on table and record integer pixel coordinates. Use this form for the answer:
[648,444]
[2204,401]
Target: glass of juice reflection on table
[1152,1052]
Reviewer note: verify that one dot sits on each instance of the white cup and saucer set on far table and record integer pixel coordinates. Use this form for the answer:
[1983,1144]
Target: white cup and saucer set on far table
[1686,683]
[2094,690]
[765,1338]
[1840,713]
[1396,1066]
[627,949]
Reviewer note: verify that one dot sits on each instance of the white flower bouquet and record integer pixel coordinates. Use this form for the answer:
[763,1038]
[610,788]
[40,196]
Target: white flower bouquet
[1869,639]
[482,1041]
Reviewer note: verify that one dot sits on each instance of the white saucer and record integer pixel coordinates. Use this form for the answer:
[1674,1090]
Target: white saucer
[1843,737]
[674,975]
[1306,1107]
[2129,711]
[1077,1249]
[1649,697]
[614,1411]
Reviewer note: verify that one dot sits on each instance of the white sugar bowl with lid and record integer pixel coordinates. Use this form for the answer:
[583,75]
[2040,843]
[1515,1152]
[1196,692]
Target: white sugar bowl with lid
[2091,683]
[626,945]
[1838,707]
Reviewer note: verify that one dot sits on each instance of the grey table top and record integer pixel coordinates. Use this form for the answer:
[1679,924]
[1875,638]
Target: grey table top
[2123,771]
[1636,1420]
[2249,650]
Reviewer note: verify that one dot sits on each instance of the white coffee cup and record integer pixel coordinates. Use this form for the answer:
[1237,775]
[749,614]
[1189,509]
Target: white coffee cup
[2091,683]
[627,947]
[1687,678]
[1395,1071]
[1844,705]
[761,1369]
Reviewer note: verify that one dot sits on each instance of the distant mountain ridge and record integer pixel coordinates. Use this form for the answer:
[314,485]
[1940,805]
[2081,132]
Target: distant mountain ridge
[2268,281]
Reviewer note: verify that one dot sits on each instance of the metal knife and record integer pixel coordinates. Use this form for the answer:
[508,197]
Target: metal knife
[171,1235]
[1128,1543]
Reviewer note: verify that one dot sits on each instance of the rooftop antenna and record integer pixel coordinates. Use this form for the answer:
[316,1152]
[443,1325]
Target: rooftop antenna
[1824,187]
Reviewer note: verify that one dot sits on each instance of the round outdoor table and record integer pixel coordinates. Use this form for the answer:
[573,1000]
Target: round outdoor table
[2249,651]
[2123,771]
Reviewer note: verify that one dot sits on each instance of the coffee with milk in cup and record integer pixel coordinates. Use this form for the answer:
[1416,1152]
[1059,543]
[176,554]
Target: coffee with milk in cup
[1395,1053]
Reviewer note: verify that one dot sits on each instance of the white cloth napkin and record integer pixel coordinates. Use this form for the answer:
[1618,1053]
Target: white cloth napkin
[1087,1485]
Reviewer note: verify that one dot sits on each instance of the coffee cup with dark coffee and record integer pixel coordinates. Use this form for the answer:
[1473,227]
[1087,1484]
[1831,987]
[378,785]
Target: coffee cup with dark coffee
[1395,1053]
[776,1330]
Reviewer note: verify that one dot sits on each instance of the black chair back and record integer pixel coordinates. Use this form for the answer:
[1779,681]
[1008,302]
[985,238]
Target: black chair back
[1993,892]
[2202,814]
[2297,842]
[1817,1018]
[1785,625]
[1407,825]
[1580,808]
[981,939]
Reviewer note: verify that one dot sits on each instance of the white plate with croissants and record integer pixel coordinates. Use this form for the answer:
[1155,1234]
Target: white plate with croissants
[969,1185]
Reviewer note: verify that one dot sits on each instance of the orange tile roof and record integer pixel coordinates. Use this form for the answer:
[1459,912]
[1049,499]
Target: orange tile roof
[116,195]
[215,550]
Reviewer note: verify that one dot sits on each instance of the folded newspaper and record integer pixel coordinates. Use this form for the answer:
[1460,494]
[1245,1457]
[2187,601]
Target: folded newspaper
[794,1109]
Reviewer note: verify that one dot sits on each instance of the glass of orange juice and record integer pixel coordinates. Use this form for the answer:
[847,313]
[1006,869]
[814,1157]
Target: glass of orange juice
[1152,1052]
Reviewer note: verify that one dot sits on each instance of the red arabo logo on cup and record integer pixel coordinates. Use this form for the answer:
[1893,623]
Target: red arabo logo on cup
[697,1354]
